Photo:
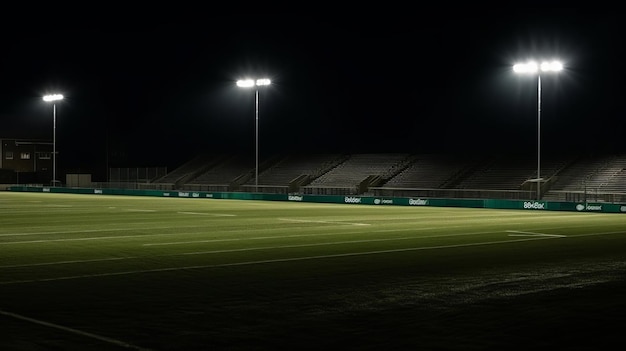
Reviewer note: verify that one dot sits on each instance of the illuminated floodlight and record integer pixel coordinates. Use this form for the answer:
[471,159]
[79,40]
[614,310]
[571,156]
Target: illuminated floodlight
[249,83]
[245,83]
[263,81]
[530,67]
[553,66]
[53,97]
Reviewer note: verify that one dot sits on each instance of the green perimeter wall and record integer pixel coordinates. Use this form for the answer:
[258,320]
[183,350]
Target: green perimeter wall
[336,199]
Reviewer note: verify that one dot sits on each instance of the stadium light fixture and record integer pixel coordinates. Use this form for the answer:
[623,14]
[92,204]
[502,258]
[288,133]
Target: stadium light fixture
[249,83]
[532,67]
[53,98]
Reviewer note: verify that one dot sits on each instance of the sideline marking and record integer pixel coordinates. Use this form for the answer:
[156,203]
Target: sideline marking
[310,235]
[241,249]
[325,222]
[83,239]
[605,233]
[138,210]
[208,214]
[72,330]
[521,233]
[278,260]
[535,235]
[102,230]
[69,262]
[319,235]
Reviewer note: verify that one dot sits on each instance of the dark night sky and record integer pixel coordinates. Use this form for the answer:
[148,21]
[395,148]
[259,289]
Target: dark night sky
[142,93]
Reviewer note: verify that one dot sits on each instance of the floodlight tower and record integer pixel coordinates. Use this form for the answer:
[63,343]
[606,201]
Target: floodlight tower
[533,68]
[52,98]
[249,83]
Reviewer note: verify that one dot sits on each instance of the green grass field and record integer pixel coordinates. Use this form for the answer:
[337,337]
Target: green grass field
[89,272]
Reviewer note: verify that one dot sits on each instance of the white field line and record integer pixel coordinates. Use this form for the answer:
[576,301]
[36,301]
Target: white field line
[521,233]
[203,226]
[100,230]
[231,240]
[535,235]
[278,260]
[64,232]
[292,246]
[138,210]
[308,235]
[419,228]
[208,214]
[161,234]
[580,226]
[69,262]
[243,249]
[174,234]
[169,227]
[71,330]
[86,239]
[605,233]
[170,234]
[278,247]
[324,222]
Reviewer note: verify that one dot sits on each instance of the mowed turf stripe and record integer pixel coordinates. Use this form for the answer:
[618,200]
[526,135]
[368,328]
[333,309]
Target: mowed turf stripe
[269,261]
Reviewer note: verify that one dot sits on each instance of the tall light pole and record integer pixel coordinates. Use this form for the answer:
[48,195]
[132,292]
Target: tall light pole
[533,68]
[249,83]
[52,98]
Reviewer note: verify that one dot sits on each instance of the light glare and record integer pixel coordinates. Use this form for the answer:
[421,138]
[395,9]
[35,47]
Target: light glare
[532,67]
[553,66]
[245,83]
[529,67]
[263,81]
[53,97]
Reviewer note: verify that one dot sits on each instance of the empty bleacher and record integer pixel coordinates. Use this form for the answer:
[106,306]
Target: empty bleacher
[187,171]
[347,177]
[591,174]
[290,167]
[358,167]
[221,175]
[510,173]
[443,175]
[610,177]
[427,171]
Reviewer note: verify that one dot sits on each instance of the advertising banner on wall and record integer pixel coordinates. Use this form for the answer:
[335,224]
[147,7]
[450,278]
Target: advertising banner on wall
[350,199]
